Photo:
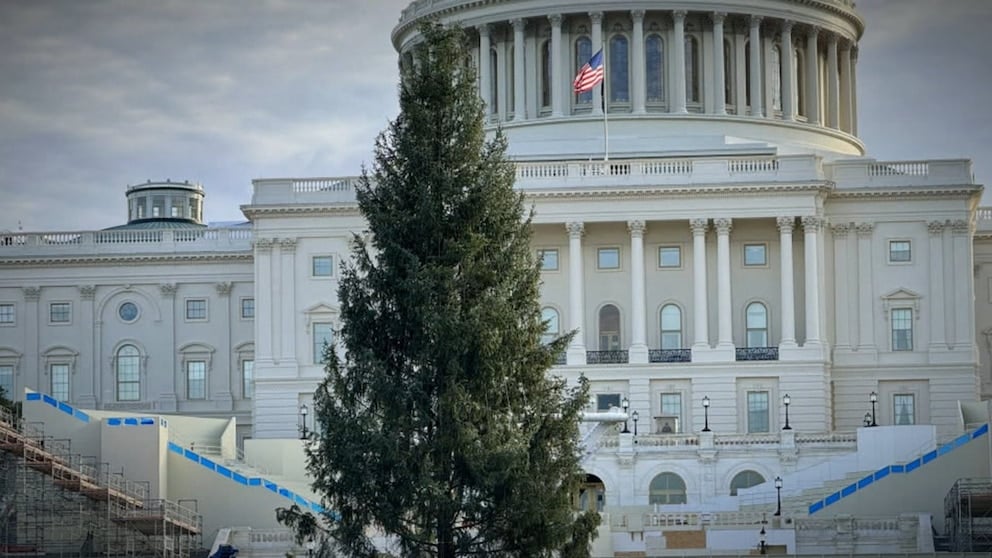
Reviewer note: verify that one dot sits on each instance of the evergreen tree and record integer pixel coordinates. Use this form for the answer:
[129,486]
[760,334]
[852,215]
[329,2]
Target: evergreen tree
[441,428]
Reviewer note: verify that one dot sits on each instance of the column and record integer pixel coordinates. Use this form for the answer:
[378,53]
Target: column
[842,287]
[788,73]
[963,290]
[637,61]
[519,99]
[556,64]
[502,91]
[866,317]
[719,80]
[678,52]
[485,71]
[740,69]
[701,336]
[576,309]
[264,317]
[168,399]
[812,77]
[638,346]
[845,87]
[755,69]
[833,87]
[785,225]
[938,339]
[811,226]
[854,90]
[597,43]
[224,394]
[725,335]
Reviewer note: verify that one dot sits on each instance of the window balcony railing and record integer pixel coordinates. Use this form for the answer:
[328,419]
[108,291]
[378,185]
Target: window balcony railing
[757,353]
[561,359]
[669,355]
[607,357]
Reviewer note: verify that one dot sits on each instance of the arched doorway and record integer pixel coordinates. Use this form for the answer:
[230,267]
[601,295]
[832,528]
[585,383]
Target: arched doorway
[592,494]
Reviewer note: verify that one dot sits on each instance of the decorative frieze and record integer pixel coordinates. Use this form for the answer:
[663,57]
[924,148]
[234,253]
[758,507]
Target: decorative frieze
[840,230]
[87,292]
[32,294]
[936,228]
[723,225]
[864,230]
[785,223]
[812,223]
[575,229]
[168,290]
[698,226]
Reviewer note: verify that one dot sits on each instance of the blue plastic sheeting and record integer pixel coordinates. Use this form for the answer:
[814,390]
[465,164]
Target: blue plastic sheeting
[848,490]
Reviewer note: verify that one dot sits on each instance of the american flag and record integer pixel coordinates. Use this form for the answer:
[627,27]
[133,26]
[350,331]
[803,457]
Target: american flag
[590,75]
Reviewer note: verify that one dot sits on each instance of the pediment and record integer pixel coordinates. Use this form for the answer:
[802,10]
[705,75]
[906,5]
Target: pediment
[902,293]
[321,308]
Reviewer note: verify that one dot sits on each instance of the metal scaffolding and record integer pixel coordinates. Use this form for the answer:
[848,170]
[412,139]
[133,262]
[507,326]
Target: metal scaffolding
[55,502]
[968,515]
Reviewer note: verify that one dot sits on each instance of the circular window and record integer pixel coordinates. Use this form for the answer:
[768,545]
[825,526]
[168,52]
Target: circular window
[128,311]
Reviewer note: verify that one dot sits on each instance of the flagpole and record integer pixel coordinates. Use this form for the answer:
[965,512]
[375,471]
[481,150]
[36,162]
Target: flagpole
[606,109]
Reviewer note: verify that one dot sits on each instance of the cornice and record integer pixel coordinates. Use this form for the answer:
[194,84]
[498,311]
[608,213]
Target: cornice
[124,259]
[251,211]
[716,189]
[920,192]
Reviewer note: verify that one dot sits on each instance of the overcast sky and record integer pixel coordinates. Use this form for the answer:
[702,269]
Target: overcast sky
[99,94]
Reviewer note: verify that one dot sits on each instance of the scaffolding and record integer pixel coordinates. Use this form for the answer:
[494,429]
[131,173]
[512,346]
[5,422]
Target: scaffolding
[968,515]
[54,502]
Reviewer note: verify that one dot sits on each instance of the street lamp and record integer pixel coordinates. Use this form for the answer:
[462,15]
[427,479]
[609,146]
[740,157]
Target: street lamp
[867,421]
[310,545]
[706,413]
[634,416]
[874,399]
[786,401]
[762,544]
[304,433]
[625,404]
[778,490]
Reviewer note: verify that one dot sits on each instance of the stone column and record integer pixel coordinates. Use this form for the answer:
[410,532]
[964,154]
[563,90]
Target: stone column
[964,299]
[845,87]
[833,87]
[287,303]
[701,336]
[638,346]
[597,43]
[725,333]
[519,91]
[785,225]
[502,83]
[485,71]
[854,90]
[866,314]
[719,79]
[756,77]
[842,288]
[811,226]
[637,62]
[223,394]
[556,64]
[788,73]
[87,394]
[812,77]
[576,353]
[168,400]
[264,315]
[678,51]
[938,339]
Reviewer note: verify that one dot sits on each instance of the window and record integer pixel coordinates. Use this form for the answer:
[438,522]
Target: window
[546,77]
[196,309]
[583,52]
[900,251]
[756,319]
[745,479]
[671,406]
[548,258]
[323,266]
[608,258]
[60,381]
[7,314]
[247,308]
[7,381]
[902,329]
[322,336]
[60,312]
[654,60]
[511,78]
[607,401]
[550,315]
[609,328]
[667,488]
[904,405]
[776,72]
[671,327]
[247,378]
[728,73]
[692,73]
[196,379]
[493,82]
[670,256]
[128,368]
[757,411]
[128,312]
[755,254]
[619,69]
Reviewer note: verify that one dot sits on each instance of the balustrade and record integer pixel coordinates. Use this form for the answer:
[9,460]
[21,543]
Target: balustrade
[607,357]
[756,353]
[670,355]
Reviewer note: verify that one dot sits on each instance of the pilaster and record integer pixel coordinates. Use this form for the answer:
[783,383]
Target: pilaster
[938,338]
[725,334]
[576,353]
[787,284]
[638,352]
[866,314]
[169,400]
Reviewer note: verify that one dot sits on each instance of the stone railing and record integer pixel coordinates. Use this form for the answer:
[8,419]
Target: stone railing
[669,355]
[703,440]
[646,518]
[96,243]
[869,173]
[756,353]
[607,357]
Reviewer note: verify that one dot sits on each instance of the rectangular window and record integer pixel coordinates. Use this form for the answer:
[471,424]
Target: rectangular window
[608,258]
[607,401]
[904,407]
[60,312]
[128,378]
[670,256]
[60,381]
[671,408]
[196,309]
[757,411]
[6,314]
[7,381]
[247,378]
[548,259]
[196,379]
[902,329]
[900,251]
[322,336]
[755,254]
[322,266]
[247,308]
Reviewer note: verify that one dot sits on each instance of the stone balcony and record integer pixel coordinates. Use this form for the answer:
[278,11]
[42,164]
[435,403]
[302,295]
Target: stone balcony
[21,245]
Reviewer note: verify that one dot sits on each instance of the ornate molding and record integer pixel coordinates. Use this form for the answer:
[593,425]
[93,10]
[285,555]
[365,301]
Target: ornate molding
[636,228]
[125,259]
[637,15]
[288,245]
[840,230]
[555,19]
[935,228]
[698,226]
[87,292]
[485,29]
[864,229]
[596,17]
[754,21]
[575,229]
[32,294]
[723,225]
[961,227]
[811,223]
[168,290]
[224,288]
[785,223]
[263,244]
[787,26]
[519,24]
[718,17]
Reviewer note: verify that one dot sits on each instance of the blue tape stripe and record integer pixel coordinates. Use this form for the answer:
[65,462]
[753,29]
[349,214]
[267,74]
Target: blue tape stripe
[815,507]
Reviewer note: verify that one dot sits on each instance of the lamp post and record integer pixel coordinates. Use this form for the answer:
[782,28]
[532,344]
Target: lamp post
[706,413]
[634,416]
[310,545]
[625,404]
[786,401]
[867,421]
[762,544]
[304,433]
[874,399]
[778,490]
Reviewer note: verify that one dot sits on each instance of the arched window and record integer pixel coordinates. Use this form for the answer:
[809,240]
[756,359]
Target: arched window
[667,488]
[128,372]
[692,73]
[799,87]
[619,69]
[728,72]
[511,77]
[757,325]
[609,328]
[776,71]
[654,61]
[583,52]
[550,316]
[546,78]
[747,74]
[745,479]
[493,82]
[671,327]
[592,494]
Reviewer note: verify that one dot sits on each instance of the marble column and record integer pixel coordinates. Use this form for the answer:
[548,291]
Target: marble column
[811,227]
[842,287]
[519,91]
[845,87]
[788,73]
[938,335]
[638,301]
[576,353]
[854,90]
[755,69]
[637,62]
[556,65]
[785,225]
[678,51]
[597,43]
[725,333]
[964,300]
[265,315]
[866,315]
[287,301]
[812,77]
[701,336]
[485,69]
[719,79]
[833,87]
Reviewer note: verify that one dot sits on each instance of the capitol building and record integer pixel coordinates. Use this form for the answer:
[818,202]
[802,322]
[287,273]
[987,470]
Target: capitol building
[787,341]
